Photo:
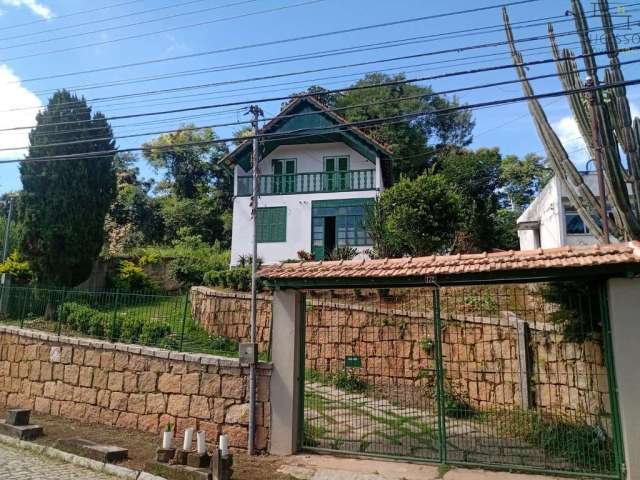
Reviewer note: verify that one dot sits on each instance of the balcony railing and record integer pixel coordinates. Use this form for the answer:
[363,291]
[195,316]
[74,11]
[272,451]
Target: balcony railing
[310,182]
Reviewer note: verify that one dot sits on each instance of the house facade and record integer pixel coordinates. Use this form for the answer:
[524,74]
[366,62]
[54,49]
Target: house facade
[313,188]
[551,221]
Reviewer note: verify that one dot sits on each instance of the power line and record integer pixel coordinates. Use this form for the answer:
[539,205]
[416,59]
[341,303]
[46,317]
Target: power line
[299,133]
[73,14]
[166,30]
[237,123]
[338,90]
[308,56]
[281,41]
[103,20]
[116,27]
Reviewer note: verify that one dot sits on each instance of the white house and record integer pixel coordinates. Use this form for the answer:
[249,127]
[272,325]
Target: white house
[314,187]
[551,221]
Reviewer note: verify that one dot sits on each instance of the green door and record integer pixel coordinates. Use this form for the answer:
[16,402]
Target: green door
[284,175]
[336,173]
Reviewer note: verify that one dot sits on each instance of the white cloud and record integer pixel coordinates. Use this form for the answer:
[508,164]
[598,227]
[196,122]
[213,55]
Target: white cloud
[36,7]
[15,96]
[567,131]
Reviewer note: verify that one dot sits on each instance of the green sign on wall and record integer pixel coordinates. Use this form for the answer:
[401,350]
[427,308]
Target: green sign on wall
[352,361]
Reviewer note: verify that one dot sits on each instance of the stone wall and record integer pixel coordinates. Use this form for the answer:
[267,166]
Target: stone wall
[129,386]
[481,355]
[227,314]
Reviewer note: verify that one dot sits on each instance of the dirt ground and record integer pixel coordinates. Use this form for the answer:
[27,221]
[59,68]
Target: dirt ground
[142,446]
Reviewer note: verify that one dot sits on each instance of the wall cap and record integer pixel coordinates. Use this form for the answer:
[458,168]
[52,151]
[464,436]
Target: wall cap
[201,358]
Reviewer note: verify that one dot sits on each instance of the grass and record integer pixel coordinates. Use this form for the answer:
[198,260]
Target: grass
[343,380]
[170,310]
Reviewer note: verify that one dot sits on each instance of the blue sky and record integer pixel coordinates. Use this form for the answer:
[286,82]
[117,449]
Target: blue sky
[507,127]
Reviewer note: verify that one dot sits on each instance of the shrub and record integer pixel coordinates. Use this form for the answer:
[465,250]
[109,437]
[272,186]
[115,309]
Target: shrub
[131,278]
[349,382]
[343,252]
[132,329]
[153,332]
[305,256]
[114,328]
[78,316]
[17,269]
[578,312]
[213,278]
[96,327]
[187,270]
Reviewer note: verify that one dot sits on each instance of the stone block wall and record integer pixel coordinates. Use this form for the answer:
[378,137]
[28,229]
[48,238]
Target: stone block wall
[227,314]
[129,386]
[480,354]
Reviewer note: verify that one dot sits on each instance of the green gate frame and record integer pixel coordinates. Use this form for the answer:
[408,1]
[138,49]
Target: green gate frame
[620,473]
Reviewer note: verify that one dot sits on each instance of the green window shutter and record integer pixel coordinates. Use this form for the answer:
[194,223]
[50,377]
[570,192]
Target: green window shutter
[290,167]
[330,164]
[343,164]
[271,224]
[277,167]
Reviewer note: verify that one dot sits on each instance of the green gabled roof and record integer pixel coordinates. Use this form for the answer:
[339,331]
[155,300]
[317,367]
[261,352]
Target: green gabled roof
[314,115]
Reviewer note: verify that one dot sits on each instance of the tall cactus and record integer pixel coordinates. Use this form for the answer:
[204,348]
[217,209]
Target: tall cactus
[617,131]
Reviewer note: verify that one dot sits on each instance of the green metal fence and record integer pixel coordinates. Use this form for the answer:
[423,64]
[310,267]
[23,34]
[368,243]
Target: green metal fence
[515,377]
[150,319]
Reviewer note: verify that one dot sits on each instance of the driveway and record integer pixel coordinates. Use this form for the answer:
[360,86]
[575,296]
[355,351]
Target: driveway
[26,465]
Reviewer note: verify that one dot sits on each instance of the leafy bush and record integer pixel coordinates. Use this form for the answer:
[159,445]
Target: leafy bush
[113,328]
[152,332]
[343,252]
[587,446]
[305,256]
[349,382]
[97,324]
[213,278]
[17,269]
[578,311]
[132,329]
[187,270]
[131,278]
[236,278]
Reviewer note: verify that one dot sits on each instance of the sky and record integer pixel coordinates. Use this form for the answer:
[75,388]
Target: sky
[53,38]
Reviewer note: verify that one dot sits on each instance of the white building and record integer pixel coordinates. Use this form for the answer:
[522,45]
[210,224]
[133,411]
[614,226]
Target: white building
[313,188]
[551,221]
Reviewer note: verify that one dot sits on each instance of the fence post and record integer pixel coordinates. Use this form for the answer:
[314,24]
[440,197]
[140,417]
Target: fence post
[27,292]
[115,309]
[440,392]
[524,362]
[184,319]
[64,299]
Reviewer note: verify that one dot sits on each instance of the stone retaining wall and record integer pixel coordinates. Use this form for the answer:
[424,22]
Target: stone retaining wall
[129,386]
[481,355]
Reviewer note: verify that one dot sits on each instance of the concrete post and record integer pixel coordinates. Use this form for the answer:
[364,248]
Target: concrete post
[524,362]
[286,350]
[624,305]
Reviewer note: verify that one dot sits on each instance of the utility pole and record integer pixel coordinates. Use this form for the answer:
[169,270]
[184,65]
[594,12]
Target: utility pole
[7,227]
[597,152]
[256,111]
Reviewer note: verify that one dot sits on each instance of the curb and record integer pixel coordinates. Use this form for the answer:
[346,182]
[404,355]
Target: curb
[96,466]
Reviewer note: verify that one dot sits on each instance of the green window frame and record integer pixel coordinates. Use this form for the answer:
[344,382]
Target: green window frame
[284,175]
[337,173]
[271,224]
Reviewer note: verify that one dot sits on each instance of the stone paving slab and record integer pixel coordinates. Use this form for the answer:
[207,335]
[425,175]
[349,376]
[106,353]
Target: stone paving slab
[18,464]
[327,467]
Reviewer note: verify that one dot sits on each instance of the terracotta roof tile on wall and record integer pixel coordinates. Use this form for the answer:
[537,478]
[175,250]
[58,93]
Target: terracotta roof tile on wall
[452,265]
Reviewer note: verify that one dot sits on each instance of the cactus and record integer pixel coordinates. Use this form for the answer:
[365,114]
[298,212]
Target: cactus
[617,130]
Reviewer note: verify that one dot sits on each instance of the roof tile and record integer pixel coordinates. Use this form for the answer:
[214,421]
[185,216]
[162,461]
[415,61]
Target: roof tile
[563,257]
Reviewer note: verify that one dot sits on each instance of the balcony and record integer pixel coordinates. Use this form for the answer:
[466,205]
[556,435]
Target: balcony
[310,182]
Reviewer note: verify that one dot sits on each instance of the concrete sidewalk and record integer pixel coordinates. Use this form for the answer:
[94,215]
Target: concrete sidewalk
[327,467]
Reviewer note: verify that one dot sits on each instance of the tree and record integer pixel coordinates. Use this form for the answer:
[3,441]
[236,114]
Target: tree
[414,142]
[415,217]
[64,203]
[134,217]
[187,157]
[476,177]
[617,135]
[522,179]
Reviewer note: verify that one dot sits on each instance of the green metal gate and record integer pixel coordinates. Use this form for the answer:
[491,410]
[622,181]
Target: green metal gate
[514,377]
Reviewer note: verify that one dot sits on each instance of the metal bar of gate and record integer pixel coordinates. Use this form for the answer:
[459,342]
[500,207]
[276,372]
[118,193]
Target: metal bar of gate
[437,329]
[612,383]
